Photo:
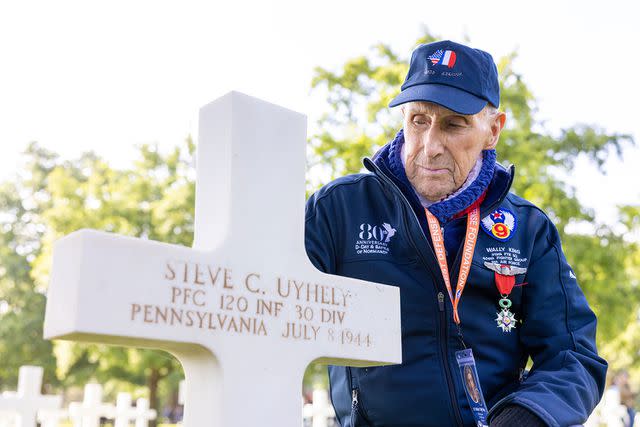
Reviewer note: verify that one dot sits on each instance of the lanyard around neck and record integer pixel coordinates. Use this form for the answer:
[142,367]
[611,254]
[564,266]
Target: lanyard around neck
[473,224]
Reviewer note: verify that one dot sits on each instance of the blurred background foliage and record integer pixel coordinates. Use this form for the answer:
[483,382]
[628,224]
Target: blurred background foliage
[154,198]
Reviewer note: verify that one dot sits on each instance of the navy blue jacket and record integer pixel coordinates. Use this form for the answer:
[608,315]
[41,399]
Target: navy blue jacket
[556,327]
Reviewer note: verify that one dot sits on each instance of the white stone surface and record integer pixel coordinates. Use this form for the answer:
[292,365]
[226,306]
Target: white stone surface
[181,391]
[52,418]
[244,311]
[7,420]
[125,413]
[143,413]
[23,405]
[322,411]
[89,412]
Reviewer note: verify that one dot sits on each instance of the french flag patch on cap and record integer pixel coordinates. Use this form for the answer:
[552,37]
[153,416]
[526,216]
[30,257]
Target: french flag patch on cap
[443,57]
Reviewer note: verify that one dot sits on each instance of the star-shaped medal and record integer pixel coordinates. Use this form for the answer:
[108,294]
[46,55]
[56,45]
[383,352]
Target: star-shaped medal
[506,320]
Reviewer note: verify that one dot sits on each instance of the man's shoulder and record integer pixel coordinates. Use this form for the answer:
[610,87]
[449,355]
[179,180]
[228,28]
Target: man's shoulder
[347,196]
[536,218]
[526,206]
[347,185]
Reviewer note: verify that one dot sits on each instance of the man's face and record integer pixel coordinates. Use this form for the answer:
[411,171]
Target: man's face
[441,146]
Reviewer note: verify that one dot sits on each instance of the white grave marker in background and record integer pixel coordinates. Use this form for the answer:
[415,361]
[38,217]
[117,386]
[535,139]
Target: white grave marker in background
[27,401]
[52,418]
[89,412]
[143,413]
[181,391]
[125,413]
[322,409]
[7,420]
[244,311]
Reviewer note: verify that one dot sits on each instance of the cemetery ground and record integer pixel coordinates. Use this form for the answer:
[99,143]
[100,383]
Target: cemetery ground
[92,408]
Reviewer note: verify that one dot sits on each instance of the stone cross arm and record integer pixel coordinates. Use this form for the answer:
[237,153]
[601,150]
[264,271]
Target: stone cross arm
[129,291]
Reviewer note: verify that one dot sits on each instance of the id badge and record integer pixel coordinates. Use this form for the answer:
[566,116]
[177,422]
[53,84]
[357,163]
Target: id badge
[469,373]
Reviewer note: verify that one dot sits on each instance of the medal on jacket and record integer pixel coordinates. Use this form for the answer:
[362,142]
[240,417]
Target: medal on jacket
[505,276]
[473,224]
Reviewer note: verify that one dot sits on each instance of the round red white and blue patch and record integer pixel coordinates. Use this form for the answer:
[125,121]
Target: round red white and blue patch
[500,224]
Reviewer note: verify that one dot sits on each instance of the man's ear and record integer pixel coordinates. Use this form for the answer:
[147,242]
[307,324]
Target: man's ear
[497,123]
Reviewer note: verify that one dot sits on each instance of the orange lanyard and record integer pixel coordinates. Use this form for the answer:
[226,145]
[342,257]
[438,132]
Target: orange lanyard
[473,222]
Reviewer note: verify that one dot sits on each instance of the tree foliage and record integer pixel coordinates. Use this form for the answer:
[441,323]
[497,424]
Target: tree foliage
[21,303]
[154,199]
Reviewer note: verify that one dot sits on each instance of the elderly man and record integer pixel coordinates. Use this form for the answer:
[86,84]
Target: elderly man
[484,284]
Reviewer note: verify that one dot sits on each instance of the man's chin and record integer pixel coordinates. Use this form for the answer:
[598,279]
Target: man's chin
[437,193]
[434,197]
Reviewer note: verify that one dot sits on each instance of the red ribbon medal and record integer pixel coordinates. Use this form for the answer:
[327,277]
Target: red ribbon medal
[505,276]
[504,283]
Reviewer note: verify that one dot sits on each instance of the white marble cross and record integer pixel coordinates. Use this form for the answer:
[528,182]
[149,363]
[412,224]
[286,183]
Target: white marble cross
[143,413]
[89,412]
[52,418]
[320,411]
[7,419]
[244,311]
[27,401]
[181,391]
[125,413]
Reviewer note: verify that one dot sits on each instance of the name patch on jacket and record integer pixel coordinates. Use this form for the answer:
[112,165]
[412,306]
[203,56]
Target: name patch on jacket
[374,239]
[500,224]
[503,255]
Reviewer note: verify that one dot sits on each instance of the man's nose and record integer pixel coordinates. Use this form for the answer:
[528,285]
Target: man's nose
[432,142]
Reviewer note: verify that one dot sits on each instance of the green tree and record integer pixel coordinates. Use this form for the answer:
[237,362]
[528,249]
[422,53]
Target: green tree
[357,122]
[155,200]
[622,352]
[21,302]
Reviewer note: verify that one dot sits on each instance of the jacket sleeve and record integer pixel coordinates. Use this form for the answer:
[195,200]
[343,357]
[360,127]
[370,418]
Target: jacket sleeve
[558,332]
[318,237]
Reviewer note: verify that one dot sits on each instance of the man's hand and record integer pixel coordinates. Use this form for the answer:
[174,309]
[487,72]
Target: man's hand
[516,416]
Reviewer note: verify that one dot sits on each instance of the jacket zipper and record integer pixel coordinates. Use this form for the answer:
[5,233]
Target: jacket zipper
[444,335]
[441,311]
[354,406]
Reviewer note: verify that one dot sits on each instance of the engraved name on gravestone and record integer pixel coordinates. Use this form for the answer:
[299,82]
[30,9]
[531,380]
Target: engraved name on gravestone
[244,310]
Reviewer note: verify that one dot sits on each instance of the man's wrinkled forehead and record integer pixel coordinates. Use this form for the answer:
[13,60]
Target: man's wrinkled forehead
[424,107]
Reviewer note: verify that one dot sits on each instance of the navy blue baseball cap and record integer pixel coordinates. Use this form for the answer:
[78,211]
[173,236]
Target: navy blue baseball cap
[453,75]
